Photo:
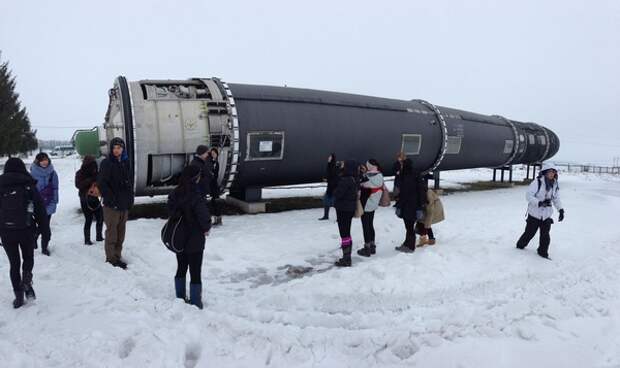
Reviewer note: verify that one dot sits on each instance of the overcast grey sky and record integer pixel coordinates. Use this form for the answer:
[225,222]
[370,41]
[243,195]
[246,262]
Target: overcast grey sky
[556,63]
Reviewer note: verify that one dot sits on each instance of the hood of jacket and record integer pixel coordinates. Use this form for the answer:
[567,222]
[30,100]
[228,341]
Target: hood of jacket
[89,168]
[39,172]
[116,141]
[549,166]
[11,179]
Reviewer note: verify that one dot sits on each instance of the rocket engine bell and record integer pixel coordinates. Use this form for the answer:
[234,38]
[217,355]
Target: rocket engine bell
[280,135]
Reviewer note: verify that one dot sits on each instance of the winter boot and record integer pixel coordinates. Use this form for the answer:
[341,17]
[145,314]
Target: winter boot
[180,288]
[408,246]
[195,295]
[19,299]
[423,241]
[87,241]
[44,248]
[345,261]
[431,241]
[27,286]
[99,230]
[365,252]
[373,247]
[325,214]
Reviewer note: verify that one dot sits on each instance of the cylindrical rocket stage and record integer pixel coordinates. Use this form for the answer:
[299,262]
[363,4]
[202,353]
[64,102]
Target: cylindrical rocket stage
[279,135]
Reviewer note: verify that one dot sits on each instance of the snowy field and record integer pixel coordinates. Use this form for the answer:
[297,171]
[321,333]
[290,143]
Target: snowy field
[472,300]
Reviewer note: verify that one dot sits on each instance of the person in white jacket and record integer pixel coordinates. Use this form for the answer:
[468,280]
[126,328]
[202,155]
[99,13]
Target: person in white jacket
[542,194]
[371,189]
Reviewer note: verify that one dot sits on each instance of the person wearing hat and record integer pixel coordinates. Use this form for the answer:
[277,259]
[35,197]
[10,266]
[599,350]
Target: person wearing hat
[116,187]
[202,161]
[43,172]
[22,211]
[542,194]
[187,202]
[370,195]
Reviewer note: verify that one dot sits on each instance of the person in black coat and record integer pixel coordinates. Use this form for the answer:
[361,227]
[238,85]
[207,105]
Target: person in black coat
[410,204]
[202,160]
[331,177]
[215,187]
[22,214]
[86,182]
[345,202]
[116,186]
[187,201]
[397,168]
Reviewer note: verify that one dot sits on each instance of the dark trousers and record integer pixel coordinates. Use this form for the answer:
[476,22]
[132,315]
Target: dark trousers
[532,225]
[368,227]
[89,214]
[12,242]
[410,232]
[193,261]
[46,234]
[215,206]
[344,219]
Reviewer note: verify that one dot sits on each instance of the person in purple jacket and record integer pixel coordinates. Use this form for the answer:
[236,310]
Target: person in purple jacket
[43,172]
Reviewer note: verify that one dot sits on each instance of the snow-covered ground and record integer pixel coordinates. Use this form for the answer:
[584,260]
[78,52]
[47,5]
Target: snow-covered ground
[472,300]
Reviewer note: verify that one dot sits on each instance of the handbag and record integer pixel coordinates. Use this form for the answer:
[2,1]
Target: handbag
[385,200]
[93,203]
[173,234]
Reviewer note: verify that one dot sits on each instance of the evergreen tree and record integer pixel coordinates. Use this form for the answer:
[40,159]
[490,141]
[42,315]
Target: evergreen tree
[16,136]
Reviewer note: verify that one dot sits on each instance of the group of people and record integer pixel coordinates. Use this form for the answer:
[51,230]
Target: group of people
[28,201]
[359,190]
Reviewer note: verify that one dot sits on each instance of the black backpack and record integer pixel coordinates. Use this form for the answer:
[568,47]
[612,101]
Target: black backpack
[16,207]
[175,233]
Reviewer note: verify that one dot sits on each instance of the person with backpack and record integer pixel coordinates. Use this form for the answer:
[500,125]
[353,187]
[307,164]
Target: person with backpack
[22,212]
[542,193]
[215,187]
[410,204]
[190,221]
[345,202]
[372,187]
[88,191]
[116,186]
[43,172]
[331,177]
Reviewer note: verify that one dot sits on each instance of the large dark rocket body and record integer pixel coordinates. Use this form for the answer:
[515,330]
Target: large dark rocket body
[279,135]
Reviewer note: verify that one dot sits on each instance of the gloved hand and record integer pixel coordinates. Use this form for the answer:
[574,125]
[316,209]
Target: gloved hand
[561,215]
[419,214]
[545,203]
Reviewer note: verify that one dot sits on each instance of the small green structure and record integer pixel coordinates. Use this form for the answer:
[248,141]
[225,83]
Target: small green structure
[86,142]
